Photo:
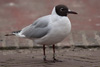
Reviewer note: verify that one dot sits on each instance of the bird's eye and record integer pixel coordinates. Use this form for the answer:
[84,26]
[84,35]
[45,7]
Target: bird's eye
[61,9]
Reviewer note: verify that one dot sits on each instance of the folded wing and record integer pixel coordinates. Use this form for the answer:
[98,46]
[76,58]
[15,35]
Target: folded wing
[38,29]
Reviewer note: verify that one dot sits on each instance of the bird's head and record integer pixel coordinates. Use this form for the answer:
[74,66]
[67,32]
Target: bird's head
[63,10]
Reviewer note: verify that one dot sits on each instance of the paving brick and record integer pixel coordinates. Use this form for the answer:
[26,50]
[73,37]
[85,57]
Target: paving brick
[30,43]
[23,42]
[97,36]
[77,37]
[10,42]
[91,38]
[16,42]
[84,38]
[71,39]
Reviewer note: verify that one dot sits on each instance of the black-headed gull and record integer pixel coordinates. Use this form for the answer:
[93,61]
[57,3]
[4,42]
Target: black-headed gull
[49,29]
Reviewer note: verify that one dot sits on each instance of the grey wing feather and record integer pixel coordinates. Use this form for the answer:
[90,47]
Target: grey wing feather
[38,29]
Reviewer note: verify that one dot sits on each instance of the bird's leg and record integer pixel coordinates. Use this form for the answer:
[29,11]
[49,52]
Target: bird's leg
[54,53]
[44,58]
[54,59]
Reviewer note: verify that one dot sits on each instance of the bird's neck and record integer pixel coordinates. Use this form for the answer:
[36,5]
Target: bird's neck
[53,12]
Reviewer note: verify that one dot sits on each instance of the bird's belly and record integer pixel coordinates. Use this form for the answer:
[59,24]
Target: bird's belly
[55,35]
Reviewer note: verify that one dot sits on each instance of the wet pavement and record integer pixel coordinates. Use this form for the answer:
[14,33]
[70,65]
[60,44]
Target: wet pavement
[34,58]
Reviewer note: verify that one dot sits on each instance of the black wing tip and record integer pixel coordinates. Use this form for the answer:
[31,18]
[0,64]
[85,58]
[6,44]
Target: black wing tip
[12,33]
[9,34]
[16,31]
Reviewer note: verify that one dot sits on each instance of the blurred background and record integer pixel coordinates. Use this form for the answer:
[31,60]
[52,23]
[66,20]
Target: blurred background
[16,14]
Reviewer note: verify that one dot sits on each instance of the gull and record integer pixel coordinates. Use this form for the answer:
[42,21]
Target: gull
[48,30]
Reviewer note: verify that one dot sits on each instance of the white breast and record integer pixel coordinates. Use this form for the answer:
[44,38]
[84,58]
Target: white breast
[60,28]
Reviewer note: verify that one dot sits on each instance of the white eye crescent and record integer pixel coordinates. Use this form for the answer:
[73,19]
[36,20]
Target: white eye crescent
[61,9]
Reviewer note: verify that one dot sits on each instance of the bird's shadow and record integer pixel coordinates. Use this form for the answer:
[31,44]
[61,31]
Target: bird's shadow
[46,63]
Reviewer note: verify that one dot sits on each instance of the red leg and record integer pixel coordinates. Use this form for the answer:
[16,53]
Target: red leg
[44,53]
[54,55]
[53,52]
